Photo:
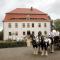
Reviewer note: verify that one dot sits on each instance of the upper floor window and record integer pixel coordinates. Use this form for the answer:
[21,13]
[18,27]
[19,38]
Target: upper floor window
[9,25]
[16,25]
[23,25]
[32,24]
[10,33]
[45,25]
[28,25]
[39,24]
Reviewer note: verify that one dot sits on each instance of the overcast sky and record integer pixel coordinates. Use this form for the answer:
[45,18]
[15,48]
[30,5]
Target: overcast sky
[51,7]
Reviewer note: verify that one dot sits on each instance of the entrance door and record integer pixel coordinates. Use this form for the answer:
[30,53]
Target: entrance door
[28,32]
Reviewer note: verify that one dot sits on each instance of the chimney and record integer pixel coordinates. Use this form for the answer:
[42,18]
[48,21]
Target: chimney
[31,8]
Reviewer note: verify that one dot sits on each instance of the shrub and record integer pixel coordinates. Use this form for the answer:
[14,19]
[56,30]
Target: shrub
[8,44]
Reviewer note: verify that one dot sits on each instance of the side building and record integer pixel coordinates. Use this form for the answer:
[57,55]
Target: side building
[19,22]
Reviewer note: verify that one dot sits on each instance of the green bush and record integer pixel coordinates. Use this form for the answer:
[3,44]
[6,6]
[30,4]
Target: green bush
[10,44]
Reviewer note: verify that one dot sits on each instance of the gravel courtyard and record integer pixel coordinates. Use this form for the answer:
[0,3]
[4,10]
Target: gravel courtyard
[25,53]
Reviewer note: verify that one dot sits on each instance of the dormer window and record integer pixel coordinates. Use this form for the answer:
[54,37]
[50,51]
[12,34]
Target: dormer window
[28,17]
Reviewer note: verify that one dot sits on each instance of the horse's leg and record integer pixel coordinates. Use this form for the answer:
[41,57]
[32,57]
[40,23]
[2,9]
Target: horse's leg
[52,47]
[42,51]
[46,48]
[36,50]
[52,50]
[33,50]
[46,51]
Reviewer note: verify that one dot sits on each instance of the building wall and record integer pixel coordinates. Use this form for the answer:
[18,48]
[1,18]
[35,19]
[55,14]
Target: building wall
[20,29]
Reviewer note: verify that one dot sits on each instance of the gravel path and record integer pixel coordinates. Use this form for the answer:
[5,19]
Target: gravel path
[25,53]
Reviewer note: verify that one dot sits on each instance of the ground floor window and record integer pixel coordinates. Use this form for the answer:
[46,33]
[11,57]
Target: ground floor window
[10,33]
[23,33]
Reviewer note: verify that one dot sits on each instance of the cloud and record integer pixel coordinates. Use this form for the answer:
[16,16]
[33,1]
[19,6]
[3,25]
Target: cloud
[52,7]
[56,7]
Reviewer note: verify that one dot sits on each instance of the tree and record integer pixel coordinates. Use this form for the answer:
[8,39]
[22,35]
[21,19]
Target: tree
[52,25]
[57,24]
[1,35]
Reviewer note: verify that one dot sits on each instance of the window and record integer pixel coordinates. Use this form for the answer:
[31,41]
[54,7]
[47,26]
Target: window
[33,32]
[23,33]
[45,32]
[10,34]
[39,33]
[39,25]
[16,33]
[28,25]
[28,17]
[9,25]
[28,32]
[23,25]
[16,25]
[45,25]
[32,24]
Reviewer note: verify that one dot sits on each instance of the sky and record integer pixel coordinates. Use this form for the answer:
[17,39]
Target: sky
[51,7]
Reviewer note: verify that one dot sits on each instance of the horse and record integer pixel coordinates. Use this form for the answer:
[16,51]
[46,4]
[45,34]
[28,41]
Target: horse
[42,44]
[47,43]
[34,44]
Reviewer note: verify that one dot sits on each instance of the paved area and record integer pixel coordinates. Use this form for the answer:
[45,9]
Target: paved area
[25,53]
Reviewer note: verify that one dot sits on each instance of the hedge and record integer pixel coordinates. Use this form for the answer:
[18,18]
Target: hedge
[10,44]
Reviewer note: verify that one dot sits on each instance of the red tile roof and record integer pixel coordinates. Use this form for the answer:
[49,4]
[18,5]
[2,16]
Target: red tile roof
[19,13]
[26,11]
